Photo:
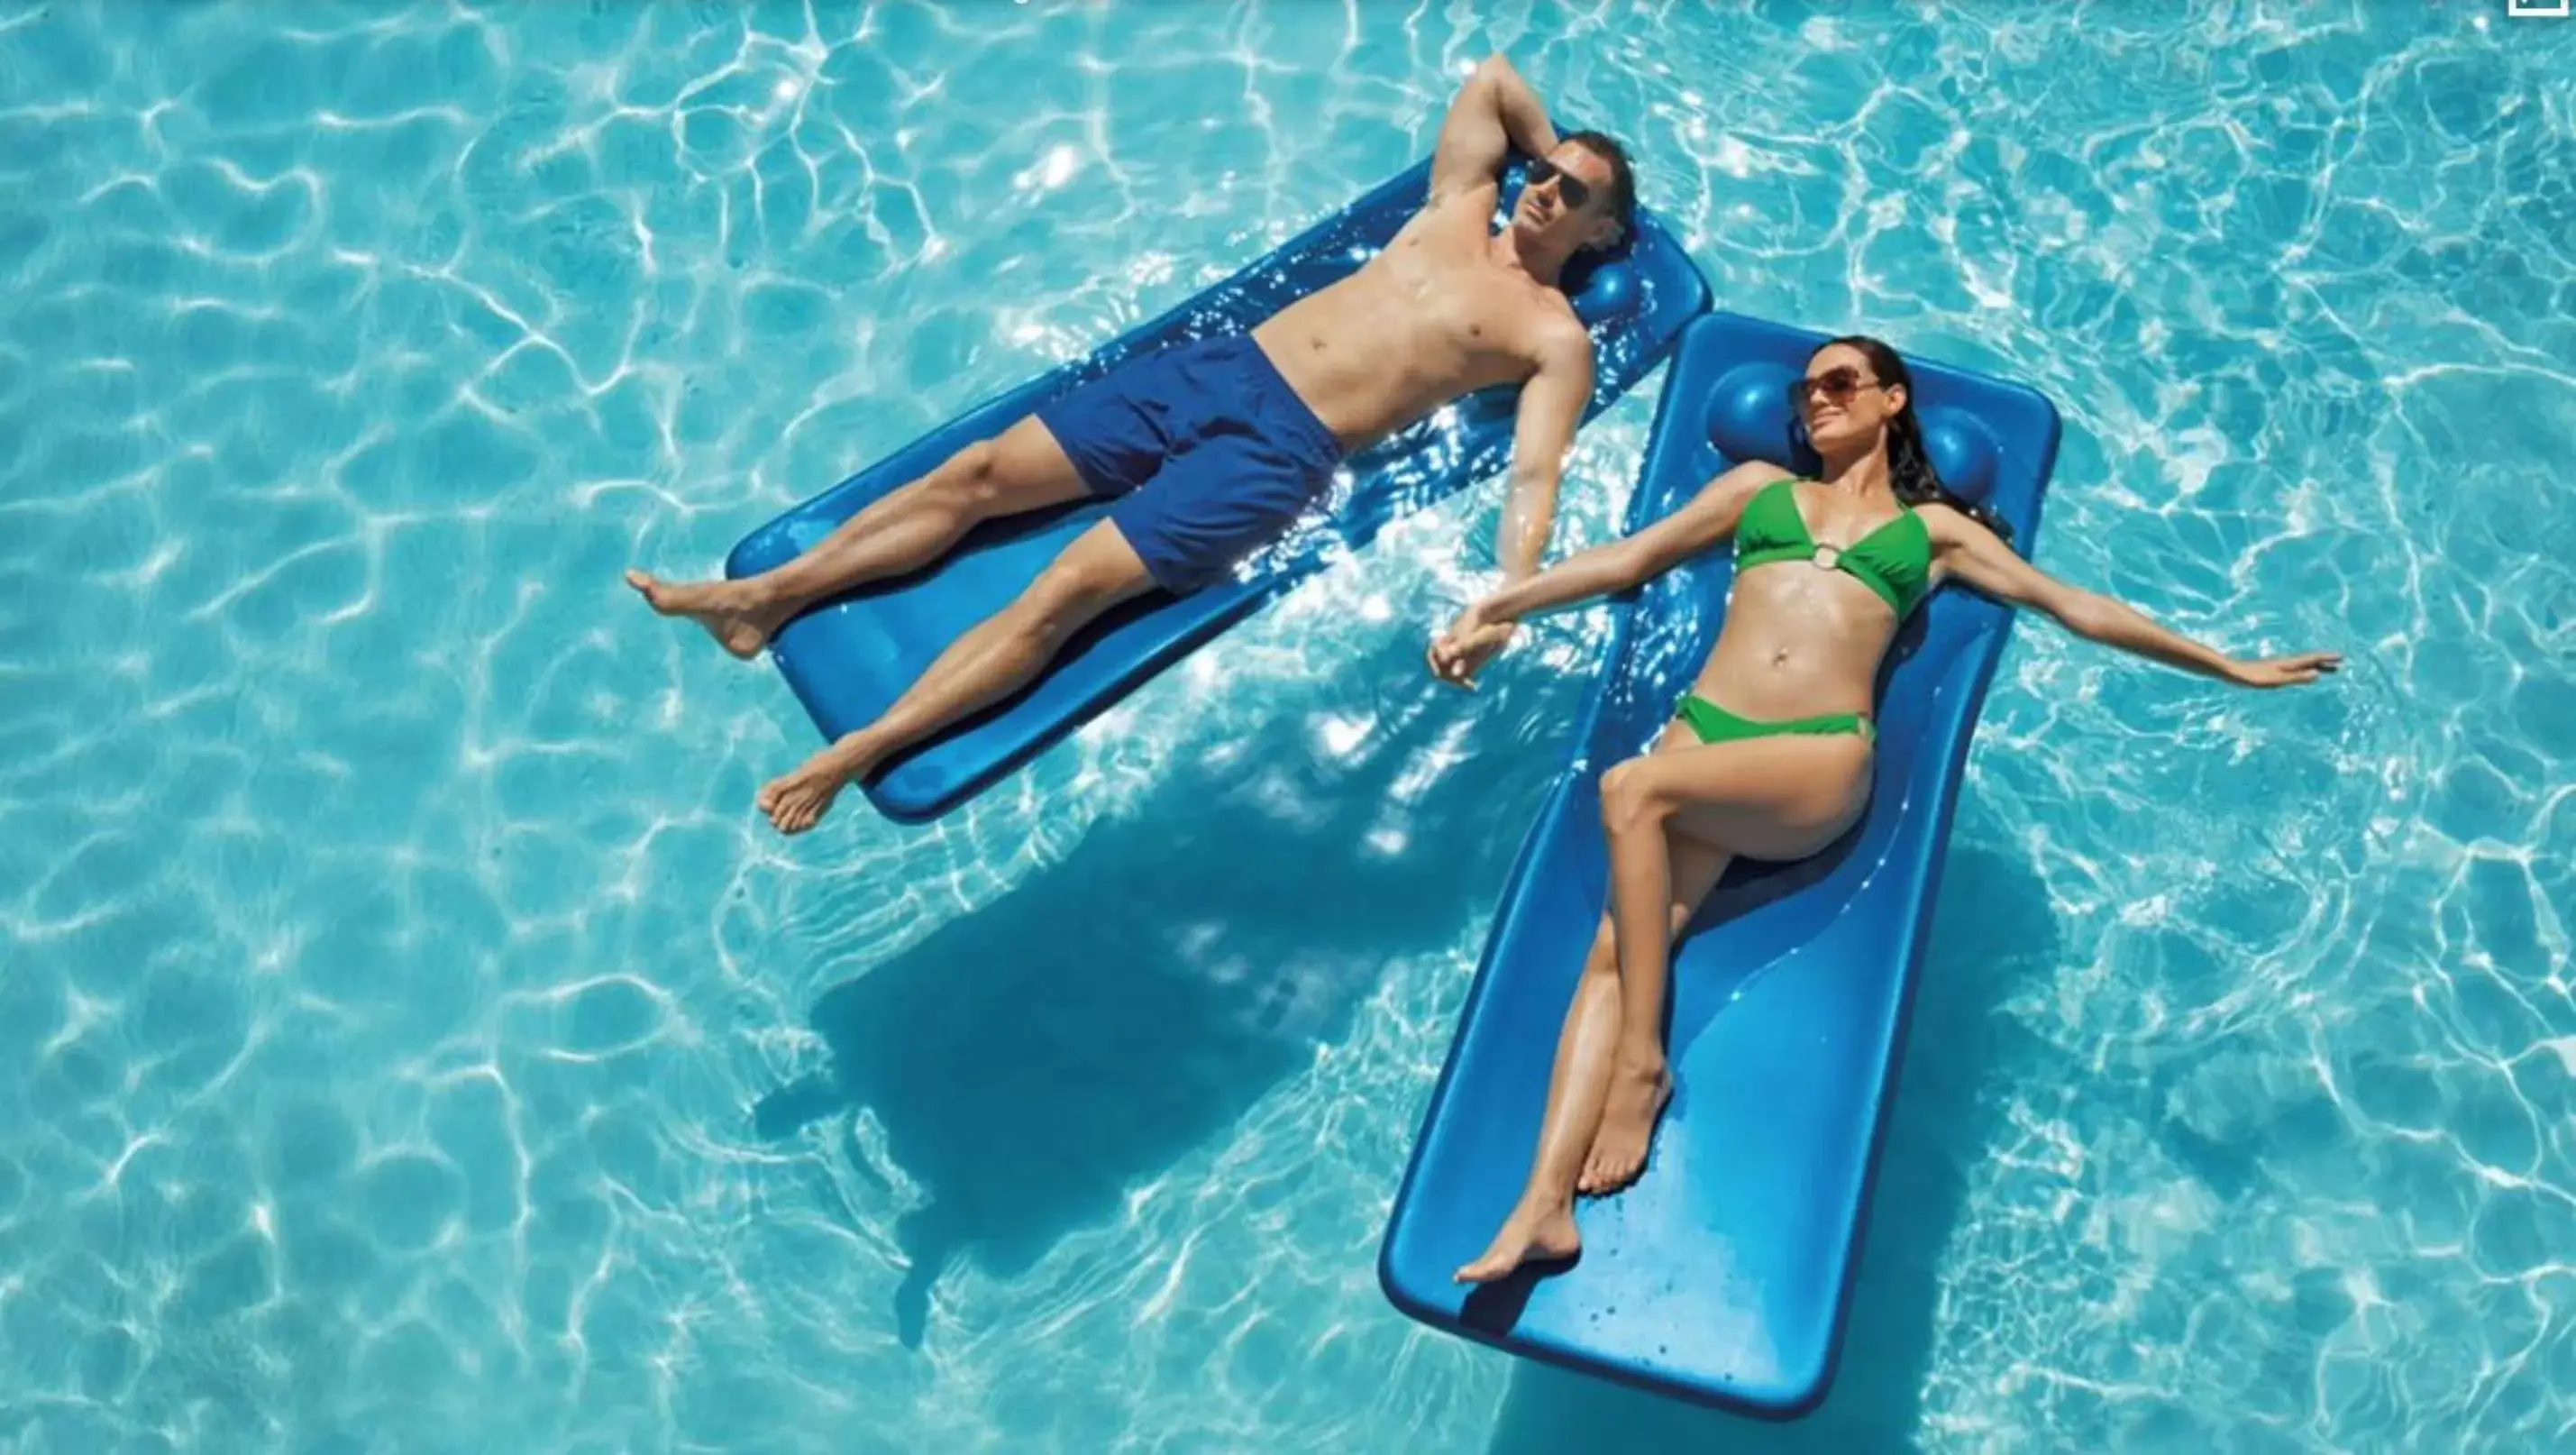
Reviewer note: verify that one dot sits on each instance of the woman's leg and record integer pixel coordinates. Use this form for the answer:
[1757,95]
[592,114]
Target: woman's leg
[1777,798]
[1541,1224]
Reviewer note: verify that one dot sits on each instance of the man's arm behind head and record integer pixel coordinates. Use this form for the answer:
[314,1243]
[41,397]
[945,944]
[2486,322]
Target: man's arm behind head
[1493,112]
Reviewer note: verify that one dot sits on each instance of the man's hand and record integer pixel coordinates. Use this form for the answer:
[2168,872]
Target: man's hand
[1470,642]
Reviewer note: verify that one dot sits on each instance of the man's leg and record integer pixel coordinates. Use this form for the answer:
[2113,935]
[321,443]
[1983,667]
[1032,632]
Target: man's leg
[995,658]
[1023,469]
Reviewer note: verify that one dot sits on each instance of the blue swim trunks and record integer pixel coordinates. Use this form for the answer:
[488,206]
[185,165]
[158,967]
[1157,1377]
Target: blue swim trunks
[1206,451]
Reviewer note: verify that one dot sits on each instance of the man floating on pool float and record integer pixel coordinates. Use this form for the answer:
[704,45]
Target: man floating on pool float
[1213,449]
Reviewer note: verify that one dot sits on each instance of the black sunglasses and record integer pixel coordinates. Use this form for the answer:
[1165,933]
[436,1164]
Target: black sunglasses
[1572,188]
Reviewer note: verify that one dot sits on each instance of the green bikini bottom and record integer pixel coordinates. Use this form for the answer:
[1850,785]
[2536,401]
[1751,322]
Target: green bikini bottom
[1715,724]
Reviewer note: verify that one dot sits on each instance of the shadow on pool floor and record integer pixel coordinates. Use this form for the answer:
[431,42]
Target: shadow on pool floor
[1032,1060]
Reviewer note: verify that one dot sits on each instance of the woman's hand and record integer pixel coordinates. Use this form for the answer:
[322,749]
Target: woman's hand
[1467,645]
[2284,671]
[1488,623]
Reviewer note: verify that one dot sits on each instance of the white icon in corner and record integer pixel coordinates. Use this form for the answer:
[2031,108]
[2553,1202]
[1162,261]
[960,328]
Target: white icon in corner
[2553,9]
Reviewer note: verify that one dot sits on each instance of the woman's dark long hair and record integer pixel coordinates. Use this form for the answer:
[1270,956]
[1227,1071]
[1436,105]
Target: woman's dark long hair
[1909,464]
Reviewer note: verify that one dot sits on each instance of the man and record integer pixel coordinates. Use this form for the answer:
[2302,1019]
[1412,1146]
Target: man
[1211,450]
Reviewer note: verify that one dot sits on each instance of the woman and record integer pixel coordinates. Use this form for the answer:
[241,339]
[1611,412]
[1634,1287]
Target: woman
[1769,756]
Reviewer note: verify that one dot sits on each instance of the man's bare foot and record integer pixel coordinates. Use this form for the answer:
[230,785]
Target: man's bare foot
[1638,1091]
[797,801]
[721,607]
[1546,1236]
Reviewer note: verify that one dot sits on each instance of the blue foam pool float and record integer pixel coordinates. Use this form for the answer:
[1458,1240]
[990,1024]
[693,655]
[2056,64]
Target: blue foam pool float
[849,659]
[1722,1274]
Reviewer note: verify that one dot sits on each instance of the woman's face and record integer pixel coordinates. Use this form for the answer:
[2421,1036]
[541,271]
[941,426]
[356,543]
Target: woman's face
[1842,400]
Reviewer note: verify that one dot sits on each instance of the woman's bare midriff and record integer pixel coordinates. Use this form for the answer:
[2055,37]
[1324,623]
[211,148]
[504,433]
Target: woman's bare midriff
[1799,641]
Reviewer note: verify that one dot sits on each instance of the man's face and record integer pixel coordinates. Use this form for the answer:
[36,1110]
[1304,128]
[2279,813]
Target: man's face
[1568,196]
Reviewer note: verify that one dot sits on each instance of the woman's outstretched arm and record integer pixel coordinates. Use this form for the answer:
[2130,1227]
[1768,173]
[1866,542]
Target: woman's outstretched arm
[1966,549]
[1704,520]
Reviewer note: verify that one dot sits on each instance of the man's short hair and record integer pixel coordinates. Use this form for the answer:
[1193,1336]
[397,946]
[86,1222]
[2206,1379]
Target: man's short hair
[1623,176]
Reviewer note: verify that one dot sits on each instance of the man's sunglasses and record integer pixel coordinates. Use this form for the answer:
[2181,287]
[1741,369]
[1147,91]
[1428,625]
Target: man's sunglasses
[1572,188]
[1837,385]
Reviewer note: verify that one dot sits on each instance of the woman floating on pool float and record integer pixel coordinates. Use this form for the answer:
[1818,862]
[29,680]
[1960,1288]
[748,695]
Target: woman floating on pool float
[1769,755]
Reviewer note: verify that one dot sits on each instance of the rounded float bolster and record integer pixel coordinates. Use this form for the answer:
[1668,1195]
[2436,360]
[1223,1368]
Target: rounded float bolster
[1749,418]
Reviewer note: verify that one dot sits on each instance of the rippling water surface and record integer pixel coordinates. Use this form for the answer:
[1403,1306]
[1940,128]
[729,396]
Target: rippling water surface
[410,1041]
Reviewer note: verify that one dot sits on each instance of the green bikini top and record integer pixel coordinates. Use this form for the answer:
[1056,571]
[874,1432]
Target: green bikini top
[1894,560]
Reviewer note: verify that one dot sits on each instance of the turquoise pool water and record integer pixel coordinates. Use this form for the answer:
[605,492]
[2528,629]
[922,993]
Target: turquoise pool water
[411,1041]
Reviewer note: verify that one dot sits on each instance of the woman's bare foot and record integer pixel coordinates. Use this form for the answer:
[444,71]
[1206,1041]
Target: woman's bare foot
[724,608]
[1547,1235]
[1638,1091]
[797,801]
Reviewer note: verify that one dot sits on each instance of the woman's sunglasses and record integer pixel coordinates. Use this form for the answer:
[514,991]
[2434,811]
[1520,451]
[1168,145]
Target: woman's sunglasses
[1837,385]
[1572,188]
